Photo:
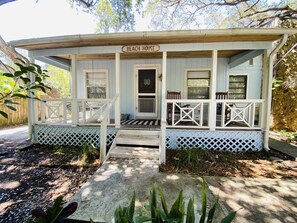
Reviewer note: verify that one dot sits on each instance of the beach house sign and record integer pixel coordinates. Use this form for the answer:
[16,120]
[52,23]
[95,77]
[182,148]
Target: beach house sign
[140,48]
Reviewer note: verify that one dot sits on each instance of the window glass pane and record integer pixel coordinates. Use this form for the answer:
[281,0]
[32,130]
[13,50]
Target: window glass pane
[237,86]
[96,84]
[198,82]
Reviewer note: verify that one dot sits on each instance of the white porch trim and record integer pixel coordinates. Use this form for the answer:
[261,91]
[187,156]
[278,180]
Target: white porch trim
[163,48]
[213,86]
[74,108]
[164,109]
[118,100]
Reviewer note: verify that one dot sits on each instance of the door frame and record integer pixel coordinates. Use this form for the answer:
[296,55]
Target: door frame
[138,67]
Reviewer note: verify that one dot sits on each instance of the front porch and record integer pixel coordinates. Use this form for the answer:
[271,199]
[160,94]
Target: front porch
[131,73]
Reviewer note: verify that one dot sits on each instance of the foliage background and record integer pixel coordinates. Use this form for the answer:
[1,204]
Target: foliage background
[284,104]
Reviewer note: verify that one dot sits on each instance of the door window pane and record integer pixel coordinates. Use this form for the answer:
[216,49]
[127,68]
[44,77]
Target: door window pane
[147,81]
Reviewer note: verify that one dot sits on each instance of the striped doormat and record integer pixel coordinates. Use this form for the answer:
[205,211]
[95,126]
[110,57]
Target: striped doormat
[141,122]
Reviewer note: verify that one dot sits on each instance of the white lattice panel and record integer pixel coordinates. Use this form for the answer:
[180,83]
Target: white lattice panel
[74,136]
[234,141]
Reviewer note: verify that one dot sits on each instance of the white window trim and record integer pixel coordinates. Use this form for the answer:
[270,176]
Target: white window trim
[247,82]
[186,79]
[95,70]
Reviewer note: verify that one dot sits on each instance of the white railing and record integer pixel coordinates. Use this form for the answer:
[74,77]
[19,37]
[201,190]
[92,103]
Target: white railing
[103,119]
[90,110]
[55,110]
[60,111]
[239,114]
[187,113]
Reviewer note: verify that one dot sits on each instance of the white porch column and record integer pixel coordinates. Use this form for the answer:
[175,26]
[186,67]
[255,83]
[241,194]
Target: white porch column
[74,107]
[31,108]
[117,91]
[213,86]
[163,110]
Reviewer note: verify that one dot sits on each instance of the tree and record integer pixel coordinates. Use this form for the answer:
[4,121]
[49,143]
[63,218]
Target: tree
[284,104]
[18,84]
[217,13]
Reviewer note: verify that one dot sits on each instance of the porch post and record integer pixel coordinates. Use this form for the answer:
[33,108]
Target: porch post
[213,86]
[31,107]
[74,106]
[163,110]
[117,91]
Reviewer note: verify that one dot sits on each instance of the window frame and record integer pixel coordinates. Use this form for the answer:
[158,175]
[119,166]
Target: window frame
[87,71]
[197,70]
[246,86]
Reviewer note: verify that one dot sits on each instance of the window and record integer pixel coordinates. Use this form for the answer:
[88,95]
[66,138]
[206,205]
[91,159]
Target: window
[237,86]
[96,84]
[198,83]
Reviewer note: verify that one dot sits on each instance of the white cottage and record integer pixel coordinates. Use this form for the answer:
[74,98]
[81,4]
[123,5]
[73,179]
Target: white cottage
[205,88]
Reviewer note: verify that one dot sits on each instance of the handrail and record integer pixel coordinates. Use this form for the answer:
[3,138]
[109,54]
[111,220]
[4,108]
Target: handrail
[107,109]
[103,129]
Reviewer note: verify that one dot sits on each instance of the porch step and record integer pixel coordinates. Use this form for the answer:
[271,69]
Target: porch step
[135,152]
[141,138]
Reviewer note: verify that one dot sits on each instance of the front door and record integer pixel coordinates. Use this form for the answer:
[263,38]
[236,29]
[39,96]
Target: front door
[146,96]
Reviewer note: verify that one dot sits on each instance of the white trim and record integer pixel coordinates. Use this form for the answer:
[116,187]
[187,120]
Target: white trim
[250,45]
[138,67]
[85,71]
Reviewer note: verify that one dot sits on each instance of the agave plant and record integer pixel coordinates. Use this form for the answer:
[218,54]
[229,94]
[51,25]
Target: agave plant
[55,214]
[176,214]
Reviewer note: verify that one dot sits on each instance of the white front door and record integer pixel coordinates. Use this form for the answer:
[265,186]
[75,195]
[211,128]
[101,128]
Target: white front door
[146,92]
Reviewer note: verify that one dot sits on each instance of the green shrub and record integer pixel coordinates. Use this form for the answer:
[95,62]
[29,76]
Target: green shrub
[177,213]
[88,153]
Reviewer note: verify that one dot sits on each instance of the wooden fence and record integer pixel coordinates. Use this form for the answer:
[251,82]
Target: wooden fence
[20,116]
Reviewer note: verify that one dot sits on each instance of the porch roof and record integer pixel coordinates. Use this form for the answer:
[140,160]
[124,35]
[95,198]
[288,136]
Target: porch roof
[153,37]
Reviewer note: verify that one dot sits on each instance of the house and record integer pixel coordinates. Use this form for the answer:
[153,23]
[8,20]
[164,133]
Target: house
[200,88]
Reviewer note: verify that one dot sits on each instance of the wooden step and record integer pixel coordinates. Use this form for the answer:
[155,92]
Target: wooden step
[134,152]
[138,138]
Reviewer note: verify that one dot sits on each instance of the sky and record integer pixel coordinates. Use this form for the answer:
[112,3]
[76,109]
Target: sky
[26,19]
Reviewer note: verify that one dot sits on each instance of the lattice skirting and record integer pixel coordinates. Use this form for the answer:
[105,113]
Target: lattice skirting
[73,136]
[233,141]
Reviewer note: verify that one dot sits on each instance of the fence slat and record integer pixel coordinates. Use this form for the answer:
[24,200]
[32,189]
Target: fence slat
[20,116]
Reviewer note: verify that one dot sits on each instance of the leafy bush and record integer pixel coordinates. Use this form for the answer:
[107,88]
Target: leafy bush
[88,153]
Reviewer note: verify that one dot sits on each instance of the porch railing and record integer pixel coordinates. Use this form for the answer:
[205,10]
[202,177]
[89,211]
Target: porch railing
[240,114]
[230,114]
[187,113]
[59,111]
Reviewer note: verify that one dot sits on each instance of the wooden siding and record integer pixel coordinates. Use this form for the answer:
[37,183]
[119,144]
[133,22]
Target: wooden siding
[176,69]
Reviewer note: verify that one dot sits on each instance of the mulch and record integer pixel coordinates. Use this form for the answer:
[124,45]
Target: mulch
[267,164]
[35,176]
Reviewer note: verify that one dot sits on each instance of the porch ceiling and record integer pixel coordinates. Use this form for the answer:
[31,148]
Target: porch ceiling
[192,54]
[161,37]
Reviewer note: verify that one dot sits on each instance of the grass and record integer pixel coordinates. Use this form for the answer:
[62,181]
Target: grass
[292,136]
